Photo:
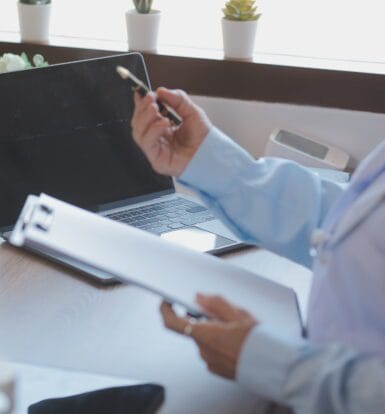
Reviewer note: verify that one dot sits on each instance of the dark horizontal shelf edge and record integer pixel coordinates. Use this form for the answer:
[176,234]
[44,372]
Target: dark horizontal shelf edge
[242,80]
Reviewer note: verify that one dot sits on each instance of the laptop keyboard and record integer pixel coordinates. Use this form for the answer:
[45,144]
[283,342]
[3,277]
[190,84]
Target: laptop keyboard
[165,216]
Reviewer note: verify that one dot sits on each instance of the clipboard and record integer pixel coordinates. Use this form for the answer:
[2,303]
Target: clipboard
[48,226]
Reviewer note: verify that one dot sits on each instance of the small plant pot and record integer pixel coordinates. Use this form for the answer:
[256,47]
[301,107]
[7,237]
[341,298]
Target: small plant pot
[34,20]
[143,30]
[239,38]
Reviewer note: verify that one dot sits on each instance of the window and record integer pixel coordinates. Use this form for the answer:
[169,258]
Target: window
[326,29]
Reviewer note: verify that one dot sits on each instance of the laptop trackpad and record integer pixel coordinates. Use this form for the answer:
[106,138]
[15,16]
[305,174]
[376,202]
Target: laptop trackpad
[197,239]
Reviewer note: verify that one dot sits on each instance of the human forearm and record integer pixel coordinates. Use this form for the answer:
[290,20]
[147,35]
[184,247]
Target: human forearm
[311,379]
[271,202]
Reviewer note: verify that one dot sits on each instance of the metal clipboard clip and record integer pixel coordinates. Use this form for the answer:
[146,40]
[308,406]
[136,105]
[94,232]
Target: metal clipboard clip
[40,216]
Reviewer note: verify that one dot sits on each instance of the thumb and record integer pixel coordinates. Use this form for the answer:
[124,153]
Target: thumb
[178,100]
[218,307]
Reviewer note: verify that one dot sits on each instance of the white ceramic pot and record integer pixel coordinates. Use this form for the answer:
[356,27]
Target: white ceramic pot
[143,30]
[239,38]
[34,22]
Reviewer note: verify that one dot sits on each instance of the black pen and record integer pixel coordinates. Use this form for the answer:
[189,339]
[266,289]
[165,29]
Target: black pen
[142,89]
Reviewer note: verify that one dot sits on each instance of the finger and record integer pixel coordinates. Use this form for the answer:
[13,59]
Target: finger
[142,102]
[217,364]
[205,355]
[144,120]
[172,320]
[245,315]
[178,100]
[224,371]
[137,99]
[218,307]
[141,105]
[152,138]
[206,334]
[208,355]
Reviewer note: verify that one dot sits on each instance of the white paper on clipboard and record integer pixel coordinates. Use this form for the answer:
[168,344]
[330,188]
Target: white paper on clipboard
[48,225]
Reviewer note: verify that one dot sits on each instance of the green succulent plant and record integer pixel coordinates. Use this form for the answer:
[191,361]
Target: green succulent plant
[35,2]
[38,61]
[143,6]
[241,10]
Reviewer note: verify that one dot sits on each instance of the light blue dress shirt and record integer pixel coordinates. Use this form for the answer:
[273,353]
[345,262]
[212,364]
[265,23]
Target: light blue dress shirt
[278,204]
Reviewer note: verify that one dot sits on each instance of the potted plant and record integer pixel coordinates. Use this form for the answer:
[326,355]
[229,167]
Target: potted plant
[34,19]
[9,62]
[239,26]
[143,26]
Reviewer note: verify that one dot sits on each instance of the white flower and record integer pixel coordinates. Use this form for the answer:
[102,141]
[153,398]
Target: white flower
[10,63]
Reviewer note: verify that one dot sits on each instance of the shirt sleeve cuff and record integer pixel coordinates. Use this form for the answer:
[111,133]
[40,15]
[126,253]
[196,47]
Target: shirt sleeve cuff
[265,361]
[217,154]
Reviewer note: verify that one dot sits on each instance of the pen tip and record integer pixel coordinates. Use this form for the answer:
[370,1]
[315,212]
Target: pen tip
[123,72]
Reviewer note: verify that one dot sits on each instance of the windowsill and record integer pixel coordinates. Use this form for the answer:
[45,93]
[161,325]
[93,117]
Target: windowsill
[352,85]
[358,66]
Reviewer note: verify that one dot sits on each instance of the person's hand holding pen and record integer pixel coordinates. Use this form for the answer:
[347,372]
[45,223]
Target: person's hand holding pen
[169,148]
[219,340]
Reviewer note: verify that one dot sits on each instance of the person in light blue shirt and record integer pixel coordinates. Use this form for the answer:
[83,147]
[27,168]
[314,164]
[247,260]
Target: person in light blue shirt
[278,204]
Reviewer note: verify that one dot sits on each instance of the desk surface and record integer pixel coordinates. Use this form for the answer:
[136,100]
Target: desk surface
[53,317]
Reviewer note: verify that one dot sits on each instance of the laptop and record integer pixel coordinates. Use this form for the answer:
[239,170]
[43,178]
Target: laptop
[65,131]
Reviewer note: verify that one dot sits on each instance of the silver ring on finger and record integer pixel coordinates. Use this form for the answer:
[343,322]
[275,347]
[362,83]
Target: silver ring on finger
[188,329]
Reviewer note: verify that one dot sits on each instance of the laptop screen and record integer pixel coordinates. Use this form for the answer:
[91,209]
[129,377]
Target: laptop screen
[65,131]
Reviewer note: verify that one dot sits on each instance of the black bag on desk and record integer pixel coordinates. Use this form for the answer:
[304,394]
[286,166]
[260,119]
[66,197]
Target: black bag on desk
[135,399]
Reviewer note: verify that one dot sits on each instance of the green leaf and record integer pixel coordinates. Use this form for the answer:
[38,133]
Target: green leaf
[143,6]
[242,10]
[35,2]
[38,61]
[26,60]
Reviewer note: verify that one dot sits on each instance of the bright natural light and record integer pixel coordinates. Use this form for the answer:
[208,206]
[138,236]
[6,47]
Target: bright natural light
[337,29]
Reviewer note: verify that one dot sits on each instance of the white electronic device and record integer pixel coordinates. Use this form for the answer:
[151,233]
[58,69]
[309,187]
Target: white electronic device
[306,151]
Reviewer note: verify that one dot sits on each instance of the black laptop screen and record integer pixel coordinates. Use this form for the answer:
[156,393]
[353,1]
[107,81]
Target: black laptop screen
[65,130]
